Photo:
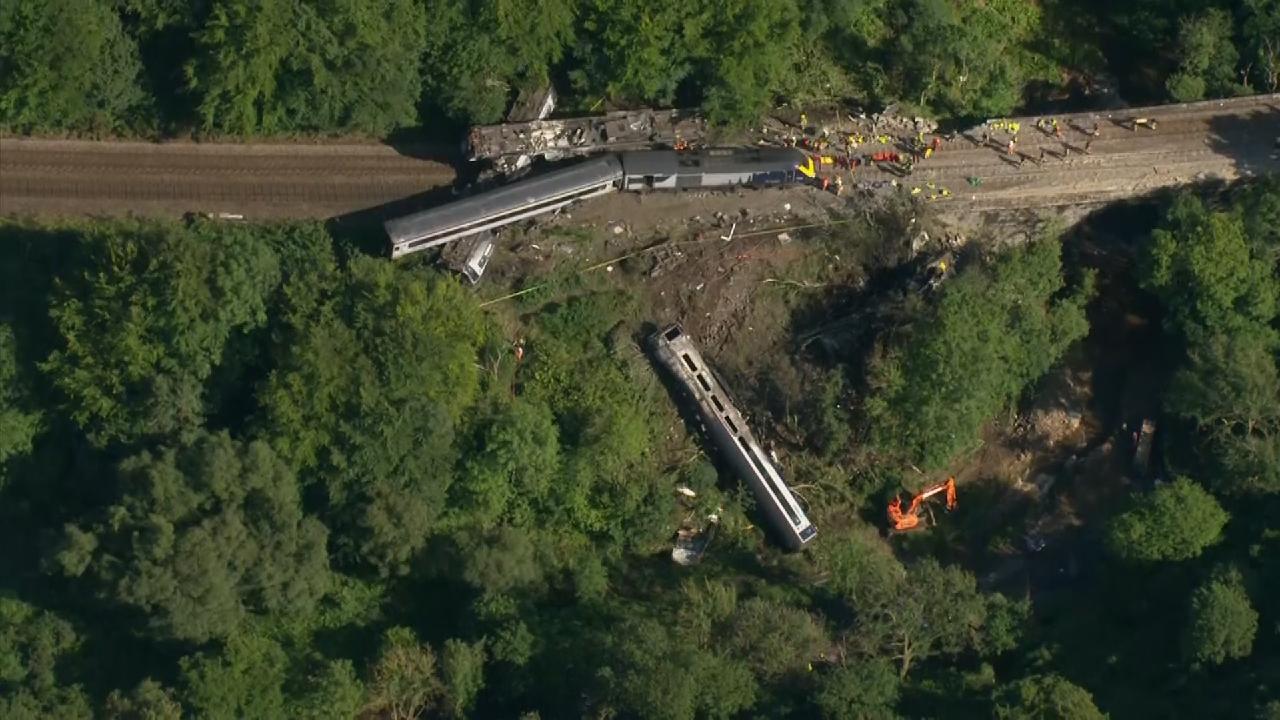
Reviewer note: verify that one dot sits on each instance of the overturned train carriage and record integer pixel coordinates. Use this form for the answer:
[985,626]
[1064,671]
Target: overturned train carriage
[636,171]
[503,206]
[728,431]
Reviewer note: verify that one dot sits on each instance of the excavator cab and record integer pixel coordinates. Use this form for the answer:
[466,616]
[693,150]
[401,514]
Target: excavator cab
[903,520]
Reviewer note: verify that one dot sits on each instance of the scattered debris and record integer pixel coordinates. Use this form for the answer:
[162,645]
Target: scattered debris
[469,256]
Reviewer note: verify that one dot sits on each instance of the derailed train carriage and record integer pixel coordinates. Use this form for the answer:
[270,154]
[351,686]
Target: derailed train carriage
[631,171]
[728,430]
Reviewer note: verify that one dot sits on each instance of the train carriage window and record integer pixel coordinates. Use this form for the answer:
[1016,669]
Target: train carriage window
[689,361]
[732,427]
[673,333]
[703,382]
[716,401]
[767,479]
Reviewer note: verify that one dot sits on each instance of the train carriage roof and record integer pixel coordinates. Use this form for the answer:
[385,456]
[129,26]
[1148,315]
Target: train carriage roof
[507,198]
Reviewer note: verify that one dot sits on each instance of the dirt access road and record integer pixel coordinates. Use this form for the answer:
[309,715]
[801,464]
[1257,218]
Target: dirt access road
[1197,141]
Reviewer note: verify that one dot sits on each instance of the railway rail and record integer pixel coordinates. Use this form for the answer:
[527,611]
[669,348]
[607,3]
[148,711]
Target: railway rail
[1223,139]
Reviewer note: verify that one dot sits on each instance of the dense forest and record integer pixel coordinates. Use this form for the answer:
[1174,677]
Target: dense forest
[249,471]
[240,68]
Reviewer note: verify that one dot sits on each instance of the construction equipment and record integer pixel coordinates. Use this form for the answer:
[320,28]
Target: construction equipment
[910,519]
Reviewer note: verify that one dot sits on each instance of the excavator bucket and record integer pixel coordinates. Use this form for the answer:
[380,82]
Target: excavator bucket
[909,519]
[900,520]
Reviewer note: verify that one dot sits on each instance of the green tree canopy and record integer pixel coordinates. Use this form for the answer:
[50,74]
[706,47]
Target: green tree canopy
[751,55]
[1262,49]
[638,50]
[371,382]
[864,689]
[19,421]
[145,318]
[608,486]
[515,473]
[282,66]
[472,73]
[1223,622]
[67,65]
[1216,272]
[1208,272]
[149,700]
[1045,697]
[1176,521]
[657,675]
[203,535]
[244,679]
[404,680]
[993,331]
[1208,57]
[910,613]
[32,644]
[965,59]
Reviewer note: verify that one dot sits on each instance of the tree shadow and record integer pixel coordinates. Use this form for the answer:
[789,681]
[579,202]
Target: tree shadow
[1251,141]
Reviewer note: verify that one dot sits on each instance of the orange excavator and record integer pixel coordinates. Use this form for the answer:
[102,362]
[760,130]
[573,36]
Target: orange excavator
[910,518]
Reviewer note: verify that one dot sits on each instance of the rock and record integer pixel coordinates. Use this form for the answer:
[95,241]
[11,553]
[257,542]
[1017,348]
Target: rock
[1054,425]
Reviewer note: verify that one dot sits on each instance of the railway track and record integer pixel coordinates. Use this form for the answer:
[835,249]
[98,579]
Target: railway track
[1216,139]
[275,180]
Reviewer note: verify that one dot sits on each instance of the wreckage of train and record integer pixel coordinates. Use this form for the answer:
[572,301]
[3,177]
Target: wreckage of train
[727,429]
[633,171]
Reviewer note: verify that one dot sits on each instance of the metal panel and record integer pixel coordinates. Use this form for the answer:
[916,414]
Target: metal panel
[719,167]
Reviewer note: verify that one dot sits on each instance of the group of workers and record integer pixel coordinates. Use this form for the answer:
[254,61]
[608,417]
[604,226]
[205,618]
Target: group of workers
[845,153]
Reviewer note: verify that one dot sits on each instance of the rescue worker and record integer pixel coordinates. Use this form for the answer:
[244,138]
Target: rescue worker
[804,122]
[839,186]
[937,144]
[1087,143]
[1057,130]
[1041,160]
[1013,146]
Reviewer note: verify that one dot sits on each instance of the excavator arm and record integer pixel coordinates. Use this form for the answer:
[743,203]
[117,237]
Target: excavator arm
[909,519]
